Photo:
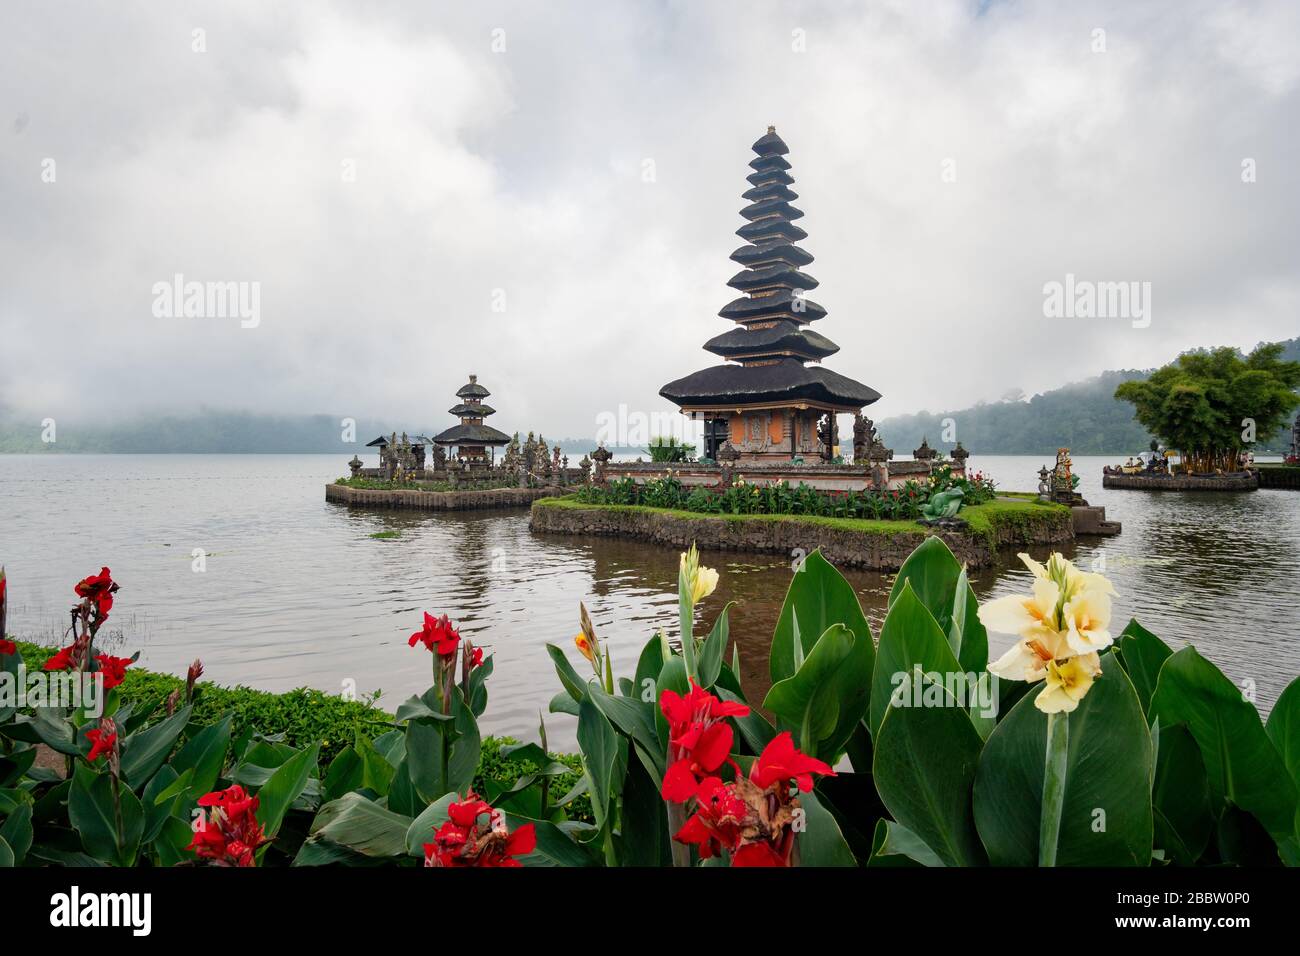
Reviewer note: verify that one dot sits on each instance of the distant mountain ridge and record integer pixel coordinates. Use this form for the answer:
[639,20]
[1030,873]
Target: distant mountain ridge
[1082,416]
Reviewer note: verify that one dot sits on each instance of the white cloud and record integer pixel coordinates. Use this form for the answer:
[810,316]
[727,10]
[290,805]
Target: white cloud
[523,171]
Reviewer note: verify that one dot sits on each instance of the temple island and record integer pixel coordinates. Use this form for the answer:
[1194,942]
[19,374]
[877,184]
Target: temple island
[769,414]
[463,471]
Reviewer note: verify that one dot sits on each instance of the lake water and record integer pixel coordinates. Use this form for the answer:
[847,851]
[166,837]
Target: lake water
[297,592]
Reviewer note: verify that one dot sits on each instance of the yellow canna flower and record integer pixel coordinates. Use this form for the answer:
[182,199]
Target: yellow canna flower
[699,582]
[1061,624]
[584,646]
[1067,683]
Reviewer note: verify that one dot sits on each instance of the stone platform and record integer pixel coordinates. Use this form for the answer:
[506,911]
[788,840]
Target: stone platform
[1247,481]
[409,499]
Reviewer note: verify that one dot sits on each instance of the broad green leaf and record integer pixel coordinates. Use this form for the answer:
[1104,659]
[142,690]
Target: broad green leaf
[909,638]
[574,684]
[633,719]
[423,827]
[16,832]
[599,744]
[362,826]
[554,846]
[1184,815]
[283,788]
[821,843]
[205,754]
[91,811]
[712,653]
[826,697]
[1243,767]
[654,655]
[145,750]
[1283,728]
[1106,814]
[933,572]
[895,845]
[820,596]
[1142,654]
[925,763]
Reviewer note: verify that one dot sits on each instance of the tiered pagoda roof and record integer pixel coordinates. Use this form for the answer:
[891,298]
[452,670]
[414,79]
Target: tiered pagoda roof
[773,338]
[471,411]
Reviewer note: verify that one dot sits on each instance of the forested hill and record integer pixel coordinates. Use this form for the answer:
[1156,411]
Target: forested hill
[1083,416]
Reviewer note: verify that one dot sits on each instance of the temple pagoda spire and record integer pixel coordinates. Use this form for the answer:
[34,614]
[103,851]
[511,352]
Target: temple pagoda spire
[472,438]
[769,403]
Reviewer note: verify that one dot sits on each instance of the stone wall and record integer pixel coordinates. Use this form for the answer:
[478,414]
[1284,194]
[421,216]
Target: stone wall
[436,500]
[877,550]
[1278,476]
[1244,482]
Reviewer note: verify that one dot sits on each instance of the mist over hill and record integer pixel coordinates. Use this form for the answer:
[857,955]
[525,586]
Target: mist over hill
[1083,416]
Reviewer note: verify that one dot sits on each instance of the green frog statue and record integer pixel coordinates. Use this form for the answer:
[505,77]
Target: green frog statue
[944,504]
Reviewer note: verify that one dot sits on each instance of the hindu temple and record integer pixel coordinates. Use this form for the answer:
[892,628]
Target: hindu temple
[772,399]
[474,440]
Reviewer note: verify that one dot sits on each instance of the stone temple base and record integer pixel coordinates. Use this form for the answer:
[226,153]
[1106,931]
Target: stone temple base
[1246,481]
[1091,519]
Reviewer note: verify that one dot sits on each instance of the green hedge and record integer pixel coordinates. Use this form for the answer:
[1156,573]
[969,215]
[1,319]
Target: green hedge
[304,715]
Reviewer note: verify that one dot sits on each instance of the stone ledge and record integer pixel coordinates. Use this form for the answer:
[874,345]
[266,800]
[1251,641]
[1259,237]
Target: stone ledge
[878,546]
[1246,482]
[435,500]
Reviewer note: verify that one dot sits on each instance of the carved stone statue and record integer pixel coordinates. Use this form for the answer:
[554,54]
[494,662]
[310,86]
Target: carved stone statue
[959,456]
[601,457]
[355,466]
[585,465]
[863,433]
[925,452]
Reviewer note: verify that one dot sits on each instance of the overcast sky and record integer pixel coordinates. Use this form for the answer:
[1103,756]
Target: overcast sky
[581,164]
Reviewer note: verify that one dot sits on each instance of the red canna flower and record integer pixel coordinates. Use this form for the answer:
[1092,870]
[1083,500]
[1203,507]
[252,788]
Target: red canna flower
[781,761]
[99,590]
[230,833]
[700,739]
[476,835]
[7,647]
[113,669]
[476,659]
[64,659]
[438,635]
[718,821]
[101,743]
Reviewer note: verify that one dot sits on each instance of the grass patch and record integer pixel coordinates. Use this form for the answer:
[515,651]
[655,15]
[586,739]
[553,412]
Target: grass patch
[985,520]
[386,535]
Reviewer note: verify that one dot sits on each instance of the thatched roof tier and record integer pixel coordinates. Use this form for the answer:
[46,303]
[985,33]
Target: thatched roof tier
[471,435]
[781,304]
[775,190]
[770,144]
[765,230]
[768,252]
[770,176]
[472,390]
[466,410]
[786,380]
[783,336]
[776,276]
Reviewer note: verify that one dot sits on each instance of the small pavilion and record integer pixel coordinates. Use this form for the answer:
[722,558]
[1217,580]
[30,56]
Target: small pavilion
[474,441]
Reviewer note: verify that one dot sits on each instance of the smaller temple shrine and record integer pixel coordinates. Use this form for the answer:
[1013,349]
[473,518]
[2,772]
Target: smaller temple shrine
[474,441]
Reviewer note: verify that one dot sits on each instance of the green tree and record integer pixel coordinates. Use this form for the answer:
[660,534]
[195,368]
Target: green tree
[1209,404]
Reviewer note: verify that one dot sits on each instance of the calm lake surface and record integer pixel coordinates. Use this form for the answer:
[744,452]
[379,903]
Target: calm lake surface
[297,592]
